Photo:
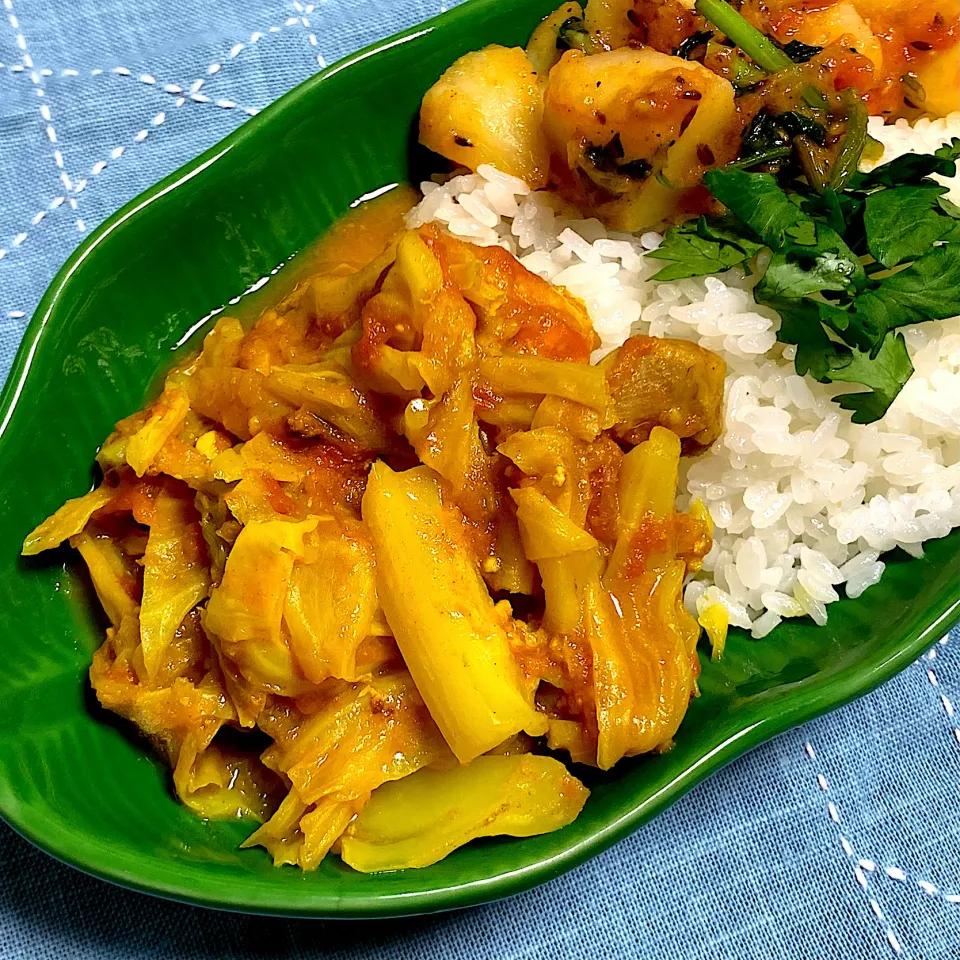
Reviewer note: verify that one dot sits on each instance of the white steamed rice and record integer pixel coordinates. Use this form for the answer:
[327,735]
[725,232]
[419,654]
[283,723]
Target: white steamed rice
[803,500]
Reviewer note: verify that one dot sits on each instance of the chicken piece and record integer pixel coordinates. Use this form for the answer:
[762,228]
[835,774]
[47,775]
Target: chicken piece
[487,108]
[671,383]
[636,129]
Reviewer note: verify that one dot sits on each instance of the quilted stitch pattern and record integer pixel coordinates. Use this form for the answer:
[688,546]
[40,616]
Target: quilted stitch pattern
[838,840]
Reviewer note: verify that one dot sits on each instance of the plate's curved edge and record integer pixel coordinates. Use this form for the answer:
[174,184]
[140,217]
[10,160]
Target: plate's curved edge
[16,377]
[793,709]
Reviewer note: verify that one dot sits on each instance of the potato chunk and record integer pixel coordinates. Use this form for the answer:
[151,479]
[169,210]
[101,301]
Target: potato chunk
[545,45]
[607,22]
[637,129]
[487,108]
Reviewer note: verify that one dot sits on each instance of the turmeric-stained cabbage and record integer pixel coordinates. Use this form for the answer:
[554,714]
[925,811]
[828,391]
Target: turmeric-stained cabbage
[453,639]
[406,532]
[334,747]
[331,601]
[165,417]
[419,820]
[68,521]
[244,613]
[175,575]
[647,650]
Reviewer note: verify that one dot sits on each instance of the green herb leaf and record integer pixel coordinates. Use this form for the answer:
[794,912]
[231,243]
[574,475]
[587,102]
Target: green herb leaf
[573,34]
[606,157]
[800,324]
[949,151]
[744,73]
[762,136]
[692,45]
[701,247]
[800,52]
[799,125]
[911,169]
[904,223]
[605,166]
[819,260]
[949,208]
[808,255]
[841,316]
[854,140]
[804,233]
[885,374]
[837,209]
[768,136]
[756,199]
[928,289]
[761,49]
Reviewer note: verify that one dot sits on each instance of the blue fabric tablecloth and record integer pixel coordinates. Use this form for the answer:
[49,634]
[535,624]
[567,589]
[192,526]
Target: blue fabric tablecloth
[838,840]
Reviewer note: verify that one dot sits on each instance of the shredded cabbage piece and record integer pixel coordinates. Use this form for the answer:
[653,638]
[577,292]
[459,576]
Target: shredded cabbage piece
[419,820]
[402,529]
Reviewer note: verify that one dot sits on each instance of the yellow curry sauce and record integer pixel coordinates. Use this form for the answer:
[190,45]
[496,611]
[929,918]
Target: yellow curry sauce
[400,524]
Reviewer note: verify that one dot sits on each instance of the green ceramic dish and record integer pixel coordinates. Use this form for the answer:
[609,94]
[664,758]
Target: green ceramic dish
[79,784]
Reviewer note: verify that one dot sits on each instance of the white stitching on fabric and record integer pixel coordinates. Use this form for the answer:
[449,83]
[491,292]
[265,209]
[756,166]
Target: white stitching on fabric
[81,184]
[311,37]
[860,865]
[97,168]
[212,69]
[45,113]
[173,89]
[865,867]
[234,51]
[19,238]
[934,682]
[901,876]
[100,165]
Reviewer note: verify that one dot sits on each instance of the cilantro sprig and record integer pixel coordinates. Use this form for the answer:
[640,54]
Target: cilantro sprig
[847,267]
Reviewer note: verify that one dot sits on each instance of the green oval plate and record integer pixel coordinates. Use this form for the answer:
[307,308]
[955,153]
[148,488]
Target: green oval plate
[79,784]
